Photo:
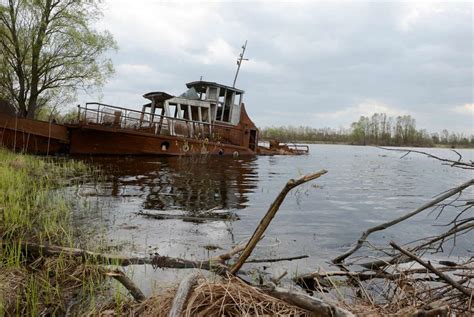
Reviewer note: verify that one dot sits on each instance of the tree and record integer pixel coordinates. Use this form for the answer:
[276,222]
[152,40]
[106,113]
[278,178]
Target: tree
[49,49]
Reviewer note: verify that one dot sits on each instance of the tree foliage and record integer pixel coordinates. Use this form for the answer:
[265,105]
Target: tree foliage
[48,50]
[378,129]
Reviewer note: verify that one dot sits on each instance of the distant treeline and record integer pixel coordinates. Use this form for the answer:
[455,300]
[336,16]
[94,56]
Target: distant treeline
[379,129]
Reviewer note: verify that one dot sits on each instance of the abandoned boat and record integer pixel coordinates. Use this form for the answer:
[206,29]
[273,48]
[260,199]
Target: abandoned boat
[209,118]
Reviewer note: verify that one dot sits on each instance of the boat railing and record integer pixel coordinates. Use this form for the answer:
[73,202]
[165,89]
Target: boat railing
[95,113]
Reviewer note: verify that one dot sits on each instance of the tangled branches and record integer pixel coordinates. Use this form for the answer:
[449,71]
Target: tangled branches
[412,279]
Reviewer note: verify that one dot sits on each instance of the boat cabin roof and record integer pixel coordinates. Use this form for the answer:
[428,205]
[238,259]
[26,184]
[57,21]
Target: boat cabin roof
[158,96]
[200,86]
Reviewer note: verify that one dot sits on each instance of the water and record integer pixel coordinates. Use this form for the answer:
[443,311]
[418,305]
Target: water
[364,186]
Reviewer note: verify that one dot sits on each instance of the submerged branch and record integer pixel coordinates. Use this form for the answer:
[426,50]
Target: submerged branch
[459,163]
[388,224]
[225,216]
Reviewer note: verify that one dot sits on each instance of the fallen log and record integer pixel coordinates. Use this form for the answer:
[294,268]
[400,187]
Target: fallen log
[309,303]
[177,263]
[198,218]
[214,264]
[37,250]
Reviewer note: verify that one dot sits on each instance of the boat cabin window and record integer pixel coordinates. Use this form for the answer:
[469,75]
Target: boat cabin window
[183,112]
[195,113]
[172,110]
[205,114]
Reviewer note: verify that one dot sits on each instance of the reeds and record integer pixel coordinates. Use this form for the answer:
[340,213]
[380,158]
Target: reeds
[210,297]
[34,208]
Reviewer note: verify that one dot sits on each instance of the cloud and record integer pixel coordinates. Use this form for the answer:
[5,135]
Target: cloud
[218,52]
[134,70]
[466,109]
[365,108]
[320,63]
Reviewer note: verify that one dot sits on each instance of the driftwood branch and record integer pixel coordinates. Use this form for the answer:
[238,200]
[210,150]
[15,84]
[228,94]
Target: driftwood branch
[177,263]
[388,224]
[227,256]
[430,267]
[291,258]
[400,258]
[269,216]
[127,283]
[308,280]
[459,163]
[312,304]
[223,216]
[37,250]
[182,293]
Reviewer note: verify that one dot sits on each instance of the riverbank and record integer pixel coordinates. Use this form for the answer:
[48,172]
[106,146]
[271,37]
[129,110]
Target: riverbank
[434,146]
[34,210]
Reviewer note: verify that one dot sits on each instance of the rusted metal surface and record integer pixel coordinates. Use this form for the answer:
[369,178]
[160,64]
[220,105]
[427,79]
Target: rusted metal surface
[32,136]
[115,137]
[277,148]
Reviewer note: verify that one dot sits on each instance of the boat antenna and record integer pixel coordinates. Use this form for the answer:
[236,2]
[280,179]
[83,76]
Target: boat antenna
[239,62]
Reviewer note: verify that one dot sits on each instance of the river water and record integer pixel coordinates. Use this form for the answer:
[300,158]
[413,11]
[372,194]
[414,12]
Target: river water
[364,186]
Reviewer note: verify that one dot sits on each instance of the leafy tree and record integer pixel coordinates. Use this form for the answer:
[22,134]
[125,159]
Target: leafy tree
[49,49]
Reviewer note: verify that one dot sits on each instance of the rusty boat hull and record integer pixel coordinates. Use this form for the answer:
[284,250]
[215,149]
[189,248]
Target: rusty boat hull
[90,140]
[33,136]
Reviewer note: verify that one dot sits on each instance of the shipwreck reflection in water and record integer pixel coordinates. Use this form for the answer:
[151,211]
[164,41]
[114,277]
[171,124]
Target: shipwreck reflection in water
[186,183]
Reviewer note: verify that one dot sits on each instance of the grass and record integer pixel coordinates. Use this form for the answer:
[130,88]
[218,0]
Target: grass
[34,208]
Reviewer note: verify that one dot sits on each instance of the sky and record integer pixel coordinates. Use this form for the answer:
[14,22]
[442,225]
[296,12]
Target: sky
[318,64]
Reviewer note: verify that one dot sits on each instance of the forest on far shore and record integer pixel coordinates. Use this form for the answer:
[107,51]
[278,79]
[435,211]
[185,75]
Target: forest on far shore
[378,129]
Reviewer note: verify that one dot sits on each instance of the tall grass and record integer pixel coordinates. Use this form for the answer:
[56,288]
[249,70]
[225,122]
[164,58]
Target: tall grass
[34,208]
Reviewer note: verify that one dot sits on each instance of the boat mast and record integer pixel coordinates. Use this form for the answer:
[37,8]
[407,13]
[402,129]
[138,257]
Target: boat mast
[239,62]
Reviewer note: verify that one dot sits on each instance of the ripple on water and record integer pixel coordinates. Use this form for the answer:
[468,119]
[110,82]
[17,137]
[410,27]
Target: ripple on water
[364,186]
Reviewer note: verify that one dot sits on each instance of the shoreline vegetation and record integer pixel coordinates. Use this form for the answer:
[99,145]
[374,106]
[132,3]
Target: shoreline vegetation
[378,130]
[34,209]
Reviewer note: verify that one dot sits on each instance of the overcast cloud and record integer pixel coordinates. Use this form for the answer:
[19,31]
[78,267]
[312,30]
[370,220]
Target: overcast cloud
[311,63]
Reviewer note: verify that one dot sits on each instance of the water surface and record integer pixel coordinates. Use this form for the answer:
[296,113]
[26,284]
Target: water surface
[364,186]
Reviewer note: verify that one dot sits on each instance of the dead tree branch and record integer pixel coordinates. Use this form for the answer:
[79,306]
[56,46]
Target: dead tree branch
[459,163]
[291,258]
[182,293]
[430,267]
[127,283]
[312,304]
[388,224]
[269,216]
